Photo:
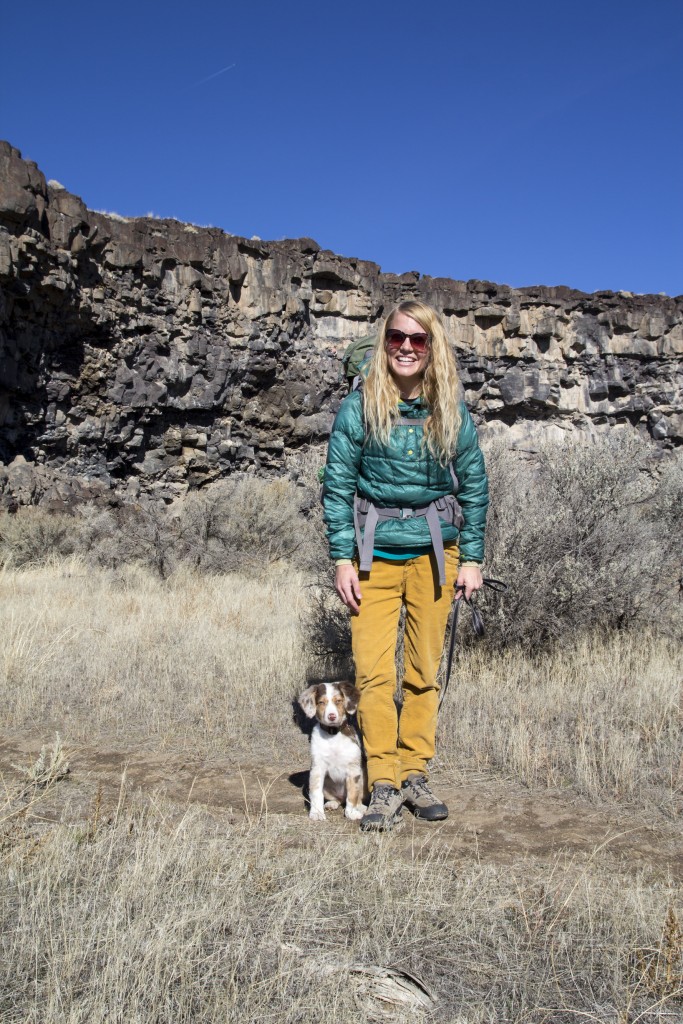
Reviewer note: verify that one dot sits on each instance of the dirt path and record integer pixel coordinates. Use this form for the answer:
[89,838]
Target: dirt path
[491,820]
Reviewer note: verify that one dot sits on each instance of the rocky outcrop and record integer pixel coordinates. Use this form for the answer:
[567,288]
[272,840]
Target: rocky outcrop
[151,356]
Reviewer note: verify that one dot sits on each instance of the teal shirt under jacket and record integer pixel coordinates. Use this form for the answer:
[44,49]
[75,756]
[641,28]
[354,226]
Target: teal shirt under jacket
[402,474]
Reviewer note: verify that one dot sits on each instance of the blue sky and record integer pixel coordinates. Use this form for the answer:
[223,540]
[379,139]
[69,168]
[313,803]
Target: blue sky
[524,143]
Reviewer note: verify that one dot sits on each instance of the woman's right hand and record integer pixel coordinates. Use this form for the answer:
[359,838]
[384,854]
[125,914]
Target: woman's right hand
[348,587]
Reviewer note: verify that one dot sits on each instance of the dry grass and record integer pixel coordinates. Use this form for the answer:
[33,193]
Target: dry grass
[153,918]
[603,718]
[157,913]
[183,662]
[189,662]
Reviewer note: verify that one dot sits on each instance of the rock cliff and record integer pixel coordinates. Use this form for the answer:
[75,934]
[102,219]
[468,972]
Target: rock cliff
[145,356]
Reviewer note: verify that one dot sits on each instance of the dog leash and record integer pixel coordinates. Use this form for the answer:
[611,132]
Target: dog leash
[477,623]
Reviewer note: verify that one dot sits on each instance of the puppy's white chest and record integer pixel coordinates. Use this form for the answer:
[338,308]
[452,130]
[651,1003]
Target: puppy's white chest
[337,754]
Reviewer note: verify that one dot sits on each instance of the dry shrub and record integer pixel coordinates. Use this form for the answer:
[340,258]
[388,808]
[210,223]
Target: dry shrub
[144,535]
[586,535]
[243,523]
[327,629]
[247,522]
[106,536]
[32,536]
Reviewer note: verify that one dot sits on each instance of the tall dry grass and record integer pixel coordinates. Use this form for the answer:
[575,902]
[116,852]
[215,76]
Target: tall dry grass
[155,918]
[184,661]
[603,718]
[157,913]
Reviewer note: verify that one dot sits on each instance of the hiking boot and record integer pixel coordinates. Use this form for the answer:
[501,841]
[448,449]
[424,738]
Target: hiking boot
[418,798]
[384,810]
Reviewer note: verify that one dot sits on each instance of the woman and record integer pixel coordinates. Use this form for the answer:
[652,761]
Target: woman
[398,537]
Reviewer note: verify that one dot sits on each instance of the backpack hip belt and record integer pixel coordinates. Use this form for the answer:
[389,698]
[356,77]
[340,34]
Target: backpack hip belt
[366,515]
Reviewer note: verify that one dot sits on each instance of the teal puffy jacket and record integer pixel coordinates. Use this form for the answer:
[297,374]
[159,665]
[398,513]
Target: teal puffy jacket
[402,474]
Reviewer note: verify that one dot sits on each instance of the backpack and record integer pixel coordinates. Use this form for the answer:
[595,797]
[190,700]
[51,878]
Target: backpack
[356,358]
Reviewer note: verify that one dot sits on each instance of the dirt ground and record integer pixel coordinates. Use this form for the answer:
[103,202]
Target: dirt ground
[490,820]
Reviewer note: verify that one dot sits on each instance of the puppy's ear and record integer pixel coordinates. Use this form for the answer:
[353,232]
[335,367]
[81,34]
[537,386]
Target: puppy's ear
[307,701]
[351,696]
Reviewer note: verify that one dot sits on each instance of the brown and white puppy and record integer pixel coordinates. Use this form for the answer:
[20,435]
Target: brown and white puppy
[337,770]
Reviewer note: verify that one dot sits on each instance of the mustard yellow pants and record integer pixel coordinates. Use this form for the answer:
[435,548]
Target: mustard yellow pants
[398,745]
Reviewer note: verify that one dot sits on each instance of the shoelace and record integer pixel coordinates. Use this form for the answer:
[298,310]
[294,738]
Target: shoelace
[477,622]
[421,788]
[381,798]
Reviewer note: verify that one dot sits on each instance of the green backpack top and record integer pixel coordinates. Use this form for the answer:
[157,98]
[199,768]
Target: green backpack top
[356,358]
[355,362]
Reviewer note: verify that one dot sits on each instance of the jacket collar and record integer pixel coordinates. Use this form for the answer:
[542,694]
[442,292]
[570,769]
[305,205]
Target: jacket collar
[413,406]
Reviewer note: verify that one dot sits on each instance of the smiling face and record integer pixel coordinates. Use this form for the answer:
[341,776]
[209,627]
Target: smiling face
[406,366]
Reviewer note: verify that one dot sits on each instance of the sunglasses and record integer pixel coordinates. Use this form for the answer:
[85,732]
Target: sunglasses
[418,341]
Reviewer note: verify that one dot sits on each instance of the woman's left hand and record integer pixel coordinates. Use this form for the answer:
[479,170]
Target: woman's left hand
[470,579]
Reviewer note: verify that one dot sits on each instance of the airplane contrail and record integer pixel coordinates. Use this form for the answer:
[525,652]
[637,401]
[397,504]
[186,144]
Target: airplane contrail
[214,75]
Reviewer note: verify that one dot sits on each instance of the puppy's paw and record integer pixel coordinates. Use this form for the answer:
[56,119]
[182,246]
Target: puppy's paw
[354,813]
[316,815]
[331,805]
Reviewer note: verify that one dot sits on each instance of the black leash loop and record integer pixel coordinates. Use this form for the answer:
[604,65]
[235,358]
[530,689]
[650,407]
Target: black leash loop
[477,623]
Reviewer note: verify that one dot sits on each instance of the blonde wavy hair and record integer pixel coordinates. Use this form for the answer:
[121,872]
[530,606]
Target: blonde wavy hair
[441,388]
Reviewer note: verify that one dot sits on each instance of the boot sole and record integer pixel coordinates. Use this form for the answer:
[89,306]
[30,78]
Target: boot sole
[426,813]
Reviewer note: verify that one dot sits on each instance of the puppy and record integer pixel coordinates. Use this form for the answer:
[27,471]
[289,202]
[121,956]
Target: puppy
[337,771]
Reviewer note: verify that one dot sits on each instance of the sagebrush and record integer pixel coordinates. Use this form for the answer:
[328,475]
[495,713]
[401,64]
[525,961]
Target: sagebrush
[240,523]
[587,535]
